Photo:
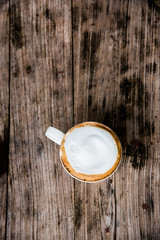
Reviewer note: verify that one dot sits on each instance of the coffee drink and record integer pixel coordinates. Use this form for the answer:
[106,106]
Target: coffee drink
[90,152]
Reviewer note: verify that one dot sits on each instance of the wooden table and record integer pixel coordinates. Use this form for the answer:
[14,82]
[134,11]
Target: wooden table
[65,62]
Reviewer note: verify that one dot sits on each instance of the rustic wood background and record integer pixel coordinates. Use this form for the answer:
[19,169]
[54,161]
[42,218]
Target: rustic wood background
[61,63]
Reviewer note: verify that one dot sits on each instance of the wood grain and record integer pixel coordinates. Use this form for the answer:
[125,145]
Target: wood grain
[4,112]
[40,196]
[65,62]
[116,82]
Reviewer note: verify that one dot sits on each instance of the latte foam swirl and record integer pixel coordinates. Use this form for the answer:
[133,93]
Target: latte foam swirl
[90,150]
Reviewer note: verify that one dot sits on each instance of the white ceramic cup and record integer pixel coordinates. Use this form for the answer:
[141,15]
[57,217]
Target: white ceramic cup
[83,143]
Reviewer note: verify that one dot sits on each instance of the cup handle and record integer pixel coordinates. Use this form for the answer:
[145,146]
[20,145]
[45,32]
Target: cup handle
[55,135]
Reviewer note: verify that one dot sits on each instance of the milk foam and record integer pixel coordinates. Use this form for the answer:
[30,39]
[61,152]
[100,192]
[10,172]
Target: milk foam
[90,150]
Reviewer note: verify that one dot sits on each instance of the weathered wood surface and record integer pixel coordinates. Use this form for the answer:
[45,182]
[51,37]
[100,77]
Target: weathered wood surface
[116,82]
[4,113]
[68,62]
[40,193]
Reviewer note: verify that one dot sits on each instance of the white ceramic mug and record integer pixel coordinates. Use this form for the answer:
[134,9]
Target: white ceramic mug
[89,152]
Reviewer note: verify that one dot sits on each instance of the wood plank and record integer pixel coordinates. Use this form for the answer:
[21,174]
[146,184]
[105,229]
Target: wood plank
[4,112]
[116,82]
[40,198]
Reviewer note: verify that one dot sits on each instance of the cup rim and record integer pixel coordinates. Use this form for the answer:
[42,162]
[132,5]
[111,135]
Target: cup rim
[99,180]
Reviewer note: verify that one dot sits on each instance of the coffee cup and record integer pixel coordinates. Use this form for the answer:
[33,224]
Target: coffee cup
[89,152]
